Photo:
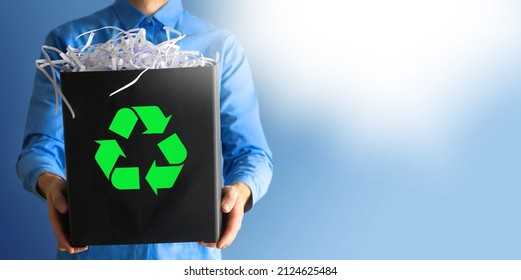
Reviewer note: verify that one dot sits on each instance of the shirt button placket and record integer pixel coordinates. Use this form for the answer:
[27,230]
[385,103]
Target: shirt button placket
[149,26]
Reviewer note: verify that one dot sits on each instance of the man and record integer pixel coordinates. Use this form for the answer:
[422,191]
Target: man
[247,167]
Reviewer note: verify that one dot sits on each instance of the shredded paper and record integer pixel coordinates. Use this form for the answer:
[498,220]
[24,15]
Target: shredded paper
[127,50]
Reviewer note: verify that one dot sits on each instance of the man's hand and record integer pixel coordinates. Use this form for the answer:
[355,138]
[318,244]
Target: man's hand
[233,201]
[54,189]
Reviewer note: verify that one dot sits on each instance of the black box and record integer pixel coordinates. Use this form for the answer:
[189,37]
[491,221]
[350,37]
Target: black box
[144,165]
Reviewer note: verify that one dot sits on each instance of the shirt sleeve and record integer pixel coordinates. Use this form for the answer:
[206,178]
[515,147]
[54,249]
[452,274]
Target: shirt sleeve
[247,157]
[43,145]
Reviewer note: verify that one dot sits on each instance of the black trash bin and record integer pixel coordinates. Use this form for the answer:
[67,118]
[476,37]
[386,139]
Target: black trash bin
[144,165]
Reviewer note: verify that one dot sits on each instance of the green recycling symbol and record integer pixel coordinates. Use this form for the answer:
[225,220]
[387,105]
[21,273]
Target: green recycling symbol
[127,178]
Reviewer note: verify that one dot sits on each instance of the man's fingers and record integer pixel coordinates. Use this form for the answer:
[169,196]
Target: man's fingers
[233,204]
[232,227]
[72,250]
[55,189]
[54,204]
[209,245]
[229,199]
[80,249]
[61,238]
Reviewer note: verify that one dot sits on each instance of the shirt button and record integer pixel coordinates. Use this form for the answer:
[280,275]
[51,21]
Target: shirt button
[148,20]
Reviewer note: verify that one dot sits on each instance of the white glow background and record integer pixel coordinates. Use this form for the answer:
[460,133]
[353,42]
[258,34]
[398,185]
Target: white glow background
[398,73]
[394,126]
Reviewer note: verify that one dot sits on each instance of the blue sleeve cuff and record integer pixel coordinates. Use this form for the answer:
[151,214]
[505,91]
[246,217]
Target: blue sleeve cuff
[31,165]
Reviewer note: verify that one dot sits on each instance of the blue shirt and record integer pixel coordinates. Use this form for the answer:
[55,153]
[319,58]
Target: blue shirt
[247,157]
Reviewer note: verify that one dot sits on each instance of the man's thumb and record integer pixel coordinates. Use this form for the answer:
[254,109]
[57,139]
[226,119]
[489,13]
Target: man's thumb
[59,202]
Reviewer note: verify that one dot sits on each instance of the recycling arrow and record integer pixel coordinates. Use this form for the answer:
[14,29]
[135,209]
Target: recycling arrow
[124,122]
[162,177]
[127,178]
[107,155]
[153,119]
[173,149]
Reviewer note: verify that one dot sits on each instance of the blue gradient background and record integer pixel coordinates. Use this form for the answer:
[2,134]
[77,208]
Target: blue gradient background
[395,126]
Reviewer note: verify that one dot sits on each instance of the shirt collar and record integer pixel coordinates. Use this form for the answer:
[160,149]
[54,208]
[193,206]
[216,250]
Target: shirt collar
[131,16]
